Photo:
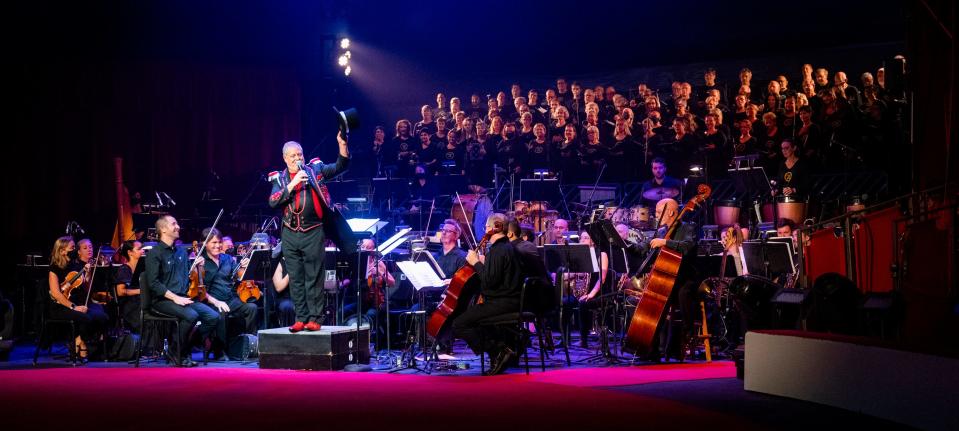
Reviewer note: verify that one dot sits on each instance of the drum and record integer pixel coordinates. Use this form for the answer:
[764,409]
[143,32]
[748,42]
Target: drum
[542,220]
[621,215]
[538,206]
[855,203]
[609,211]
[520,207]
[639,217]
[790,208]
[767,210]
[726,212]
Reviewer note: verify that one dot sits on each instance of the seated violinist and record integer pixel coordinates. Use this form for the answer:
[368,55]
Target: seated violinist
[128,282]
[374,286]
[500,276]
[220,275]
[89,316]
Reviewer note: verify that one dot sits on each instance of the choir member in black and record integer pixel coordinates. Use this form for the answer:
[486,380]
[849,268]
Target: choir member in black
[505,107]
[593,155]
[746,143]
[566,158]
[500,276]
[220,274]
[789,118]
[476,108]
[426,154]
[511,151]
[713,148]
[451,154]
[128,282]
[687,279]
[623,154]
[167,271]
[677,149]
[557,130]
[90,318]
[439,138]
[660,179]
[769,144]
[810,137]
[479,156]
[585,301]
[651,139]
[441,110]
[228,246]
[402,146]
[794,174]
[423,187]
[284,304]
[304,239]
[426,123]
[373,155]
[709,84]
[525,131]
[538,149]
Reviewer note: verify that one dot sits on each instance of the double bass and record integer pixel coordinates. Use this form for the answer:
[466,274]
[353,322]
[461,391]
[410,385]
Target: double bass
[658,285]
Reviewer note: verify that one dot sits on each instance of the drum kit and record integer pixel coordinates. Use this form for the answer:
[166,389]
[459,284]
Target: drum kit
[536,214]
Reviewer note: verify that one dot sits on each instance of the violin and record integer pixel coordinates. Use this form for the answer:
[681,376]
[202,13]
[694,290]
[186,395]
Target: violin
[197,291]
[248,289]
[377,289]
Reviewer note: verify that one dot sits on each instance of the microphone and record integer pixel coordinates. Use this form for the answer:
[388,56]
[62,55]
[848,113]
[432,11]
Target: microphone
[299,164]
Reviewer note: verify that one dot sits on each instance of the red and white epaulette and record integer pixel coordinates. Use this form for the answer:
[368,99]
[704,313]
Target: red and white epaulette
[315,161]
[273,176]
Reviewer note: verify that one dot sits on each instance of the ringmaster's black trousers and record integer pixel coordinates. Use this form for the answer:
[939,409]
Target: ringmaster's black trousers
[304,253]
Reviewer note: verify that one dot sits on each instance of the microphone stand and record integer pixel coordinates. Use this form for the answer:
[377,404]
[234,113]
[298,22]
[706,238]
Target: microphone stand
[356,365]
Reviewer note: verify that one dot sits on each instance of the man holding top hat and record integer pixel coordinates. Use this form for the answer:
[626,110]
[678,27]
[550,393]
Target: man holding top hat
[308,219]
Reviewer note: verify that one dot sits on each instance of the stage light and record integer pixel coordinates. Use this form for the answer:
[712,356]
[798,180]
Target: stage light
[344,43]
[348,55]
[343,60]
[348,70]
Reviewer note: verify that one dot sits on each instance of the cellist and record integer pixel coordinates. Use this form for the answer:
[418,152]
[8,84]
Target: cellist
[500,276]
[687,280]
[89,317]
[168,278]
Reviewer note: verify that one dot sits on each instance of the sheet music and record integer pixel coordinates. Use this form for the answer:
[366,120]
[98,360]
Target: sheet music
[420,274]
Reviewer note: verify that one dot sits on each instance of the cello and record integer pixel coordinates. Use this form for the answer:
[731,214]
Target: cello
[464,285]
[658,285]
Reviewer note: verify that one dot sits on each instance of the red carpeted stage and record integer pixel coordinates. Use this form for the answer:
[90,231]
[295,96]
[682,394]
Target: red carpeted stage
[248,398]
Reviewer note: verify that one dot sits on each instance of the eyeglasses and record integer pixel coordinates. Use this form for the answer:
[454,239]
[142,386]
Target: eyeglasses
[448,230]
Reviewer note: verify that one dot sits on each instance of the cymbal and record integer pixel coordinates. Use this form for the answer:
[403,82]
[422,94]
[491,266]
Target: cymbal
[421,201]
[657,193]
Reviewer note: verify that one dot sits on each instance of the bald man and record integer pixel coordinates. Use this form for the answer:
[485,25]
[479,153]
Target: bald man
[300,190]
[682,241]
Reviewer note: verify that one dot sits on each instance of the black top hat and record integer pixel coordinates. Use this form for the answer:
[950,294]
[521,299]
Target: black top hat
[348,120]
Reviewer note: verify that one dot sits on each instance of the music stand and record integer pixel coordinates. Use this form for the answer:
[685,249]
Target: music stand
[542,189]
[768,257]
[388,189]
[604,236]
[750,179]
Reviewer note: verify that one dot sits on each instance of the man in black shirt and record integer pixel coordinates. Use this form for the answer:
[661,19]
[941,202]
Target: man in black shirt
[660,182]
[451,258]
[306,210]
[500,278]
[167,271]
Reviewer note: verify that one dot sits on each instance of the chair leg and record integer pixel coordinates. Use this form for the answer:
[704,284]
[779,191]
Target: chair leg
[542,352]
[73,336]
[523,340]
[36,352]
[138,349]
[179,344]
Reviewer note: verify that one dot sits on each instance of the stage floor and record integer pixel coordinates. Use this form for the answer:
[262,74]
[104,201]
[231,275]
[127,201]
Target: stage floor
[231,394]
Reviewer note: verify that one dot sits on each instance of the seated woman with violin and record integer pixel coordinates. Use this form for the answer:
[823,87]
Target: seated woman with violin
[69,285]
[286,315]
[128,282]
[580,294]
[377,282]
[220,272]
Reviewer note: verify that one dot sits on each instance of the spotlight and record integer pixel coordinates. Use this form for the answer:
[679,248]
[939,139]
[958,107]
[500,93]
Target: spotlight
[348,70]
[344,43]
[343,60]
[348,54]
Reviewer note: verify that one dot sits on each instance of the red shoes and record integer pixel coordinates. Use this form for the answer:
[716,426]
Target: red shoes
[300,326]
[297,327]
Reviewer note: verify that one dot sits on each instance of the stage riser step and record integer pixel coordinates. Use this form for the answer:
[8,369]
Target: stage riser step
[328,349]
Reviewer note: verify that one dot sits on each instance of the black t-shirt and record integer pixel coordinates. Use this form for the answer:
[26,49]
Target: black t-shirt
[538,155]
[796,177]
[421,126]
[454,155]
[715,158]
[427,156]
